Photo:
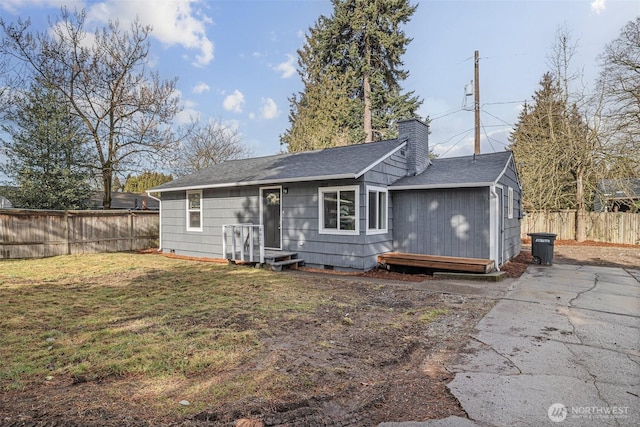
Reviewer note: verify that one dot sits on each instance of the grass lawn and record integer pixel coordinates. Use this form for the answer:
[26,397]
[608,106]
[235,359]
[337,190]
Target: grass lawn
[155,331]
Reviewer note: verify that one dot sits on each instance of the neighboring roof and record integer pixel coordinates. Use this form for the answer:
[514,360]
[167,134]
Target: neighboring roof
[331,163]
[121,200]
[624,188]
[479,170]
[5,203]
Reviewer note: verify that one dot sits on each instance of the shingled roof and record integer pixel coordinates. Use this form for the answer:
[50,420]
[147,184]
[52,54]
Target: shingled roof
[468,171]
[332,163]
[623,188]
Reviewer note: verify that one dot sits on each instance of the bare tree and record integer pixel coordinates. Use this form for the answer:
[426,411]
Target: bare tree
[579,141]
[208,144]
[556,149]
[619,85]
[126,110]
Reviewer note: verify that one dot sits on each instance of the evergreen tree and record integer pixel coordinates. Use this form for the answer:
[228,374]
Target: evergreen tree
[125,109]
[350,69]
[46,153]
[551,146]
[145,181]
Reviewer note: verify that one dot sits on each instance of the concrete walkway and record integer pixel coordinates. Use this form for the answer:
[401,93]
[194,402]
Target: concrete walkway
[562,347]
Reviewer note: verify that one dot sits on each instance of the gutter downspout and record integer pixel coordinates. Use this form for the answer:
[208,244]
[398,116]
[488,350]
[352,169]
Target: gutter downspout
[494,211]
[159,220]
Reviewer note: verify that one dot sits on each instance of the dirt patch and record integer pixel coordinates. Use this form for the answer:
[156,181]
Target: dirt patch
[370,353]
[373,352]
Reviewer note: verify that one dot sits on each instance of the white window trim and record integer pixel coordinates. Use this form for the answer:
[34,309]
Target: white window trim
[510,203]
[190,210]
[384,230]
[321,229]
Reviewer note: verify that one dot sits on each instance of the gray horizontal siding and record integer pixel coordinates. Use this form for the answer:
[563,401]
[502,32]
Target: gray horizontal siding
[300,220]
[301,233]
[511,227]
[219,207]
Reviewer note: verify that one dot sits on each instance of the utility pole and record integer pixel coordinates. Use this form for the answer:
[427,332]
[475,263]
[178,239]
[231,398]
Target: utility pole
[476,95]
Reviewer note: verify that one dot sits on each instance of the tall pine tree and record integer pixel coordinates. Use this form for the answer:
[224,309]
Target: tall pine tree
[351,71]
[47,155]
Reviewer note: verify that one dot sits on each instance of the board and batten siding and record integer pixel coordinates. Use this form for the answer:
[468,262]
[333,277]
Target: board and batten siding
[447,222]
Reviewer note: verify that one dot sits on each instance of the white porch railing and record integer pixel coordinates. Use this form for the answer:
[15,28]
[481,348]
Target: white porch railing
[243,242]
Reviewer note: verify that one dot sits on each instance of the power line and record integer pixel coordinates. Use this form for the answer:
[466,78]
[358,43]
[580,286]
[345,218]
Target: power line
[445,114]
[457,142]
[484,130]
[458,134]
[498,118]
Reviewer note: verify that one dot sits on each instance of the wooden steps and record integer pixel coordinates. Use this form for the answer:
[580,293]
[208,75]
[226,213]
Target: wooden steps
[279,260]
[436,262]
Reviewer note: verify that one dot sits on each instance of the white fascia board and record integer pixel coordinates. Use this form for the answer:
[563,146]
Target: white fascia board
[259,182]
[439,186]
[381,159]
[506,166]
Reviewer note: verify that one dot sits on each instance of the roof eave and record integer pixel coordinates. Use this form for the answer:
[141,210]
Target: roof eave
[441,186]
[257,182]
[381,159]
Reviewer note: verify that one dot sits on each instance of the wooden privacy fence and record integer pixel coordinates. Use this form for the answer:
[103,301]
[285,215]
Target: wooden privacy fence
[611,227]
[39,234]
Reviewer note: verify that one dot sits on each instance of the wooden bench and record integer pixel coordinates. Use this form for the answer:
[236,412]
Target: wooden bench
[437,262]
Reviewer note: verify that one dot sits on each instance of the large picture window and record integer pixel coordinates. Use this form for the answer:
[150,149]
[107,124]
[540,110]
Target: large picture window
[194,210]
[377,210]
[339,210]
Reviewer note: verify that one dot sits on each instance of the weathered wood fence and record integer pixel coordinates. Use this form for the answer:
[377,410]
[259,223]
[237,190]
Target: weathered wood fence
[39,234]
[612,227]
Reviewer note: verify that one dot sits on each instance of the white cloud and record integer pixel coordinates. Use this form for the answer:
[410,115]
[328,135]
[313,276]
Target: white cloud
[269,108]
[173,22]
[14,6]
[598,5]
[234,102]
[186,116]
[287,68]
[190,104]
[201,87]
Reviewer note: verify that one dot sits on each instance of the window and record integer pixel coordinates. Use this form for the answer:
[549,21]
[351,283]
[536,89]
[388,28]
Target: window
[339,210]
[510,204]
[194,210]
[376,210]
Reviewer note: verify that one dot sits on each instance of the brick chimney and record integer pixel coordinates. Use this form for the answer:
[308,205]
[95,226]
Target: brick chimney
[416,133]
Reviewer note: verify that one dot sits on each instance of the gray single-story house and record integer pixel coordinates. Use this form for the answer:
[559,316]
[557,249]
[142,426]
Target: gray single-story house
[124,200]
[339,208]
[617,195]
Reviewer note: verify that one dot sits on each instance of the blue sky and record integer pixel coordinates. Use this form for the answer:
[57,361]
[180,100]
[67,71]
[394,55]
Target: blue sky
[236,60]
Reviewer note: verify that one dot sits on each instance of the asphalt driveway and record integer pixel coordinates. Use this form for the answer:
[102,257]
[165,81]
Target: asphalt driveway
[561,347]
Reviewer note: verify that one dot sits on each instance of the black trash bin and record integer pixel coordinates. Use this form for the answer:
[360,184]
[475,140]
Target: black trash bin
[542,247]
